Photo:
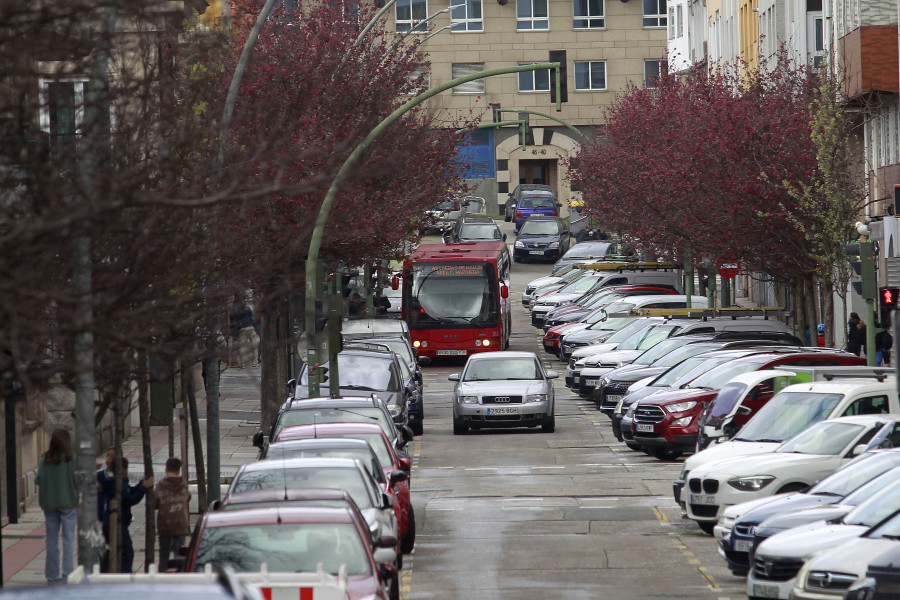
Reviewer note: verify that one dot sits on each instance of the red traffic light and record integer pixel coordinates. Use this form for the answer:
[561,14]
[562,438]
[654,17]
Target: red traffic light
[888,296]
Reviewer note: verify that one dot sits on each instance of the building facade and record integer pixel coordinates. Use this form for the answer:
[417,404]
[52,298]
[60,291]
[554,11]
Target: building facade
[609,44]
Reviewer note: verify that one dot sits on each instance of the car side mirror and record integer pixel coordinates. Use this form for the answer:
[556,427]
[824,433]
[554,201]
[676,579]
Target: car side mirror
[858,449]
[504,291]
[395,283]
[259,439]
[552,375]
[406,433]
[387,501]
[558,205]
[386,568]
[504,237]
[453,377]
[398,475]
[564,232]
[291,387]
[405,463]
[215,505]
[744,410]
[387,541]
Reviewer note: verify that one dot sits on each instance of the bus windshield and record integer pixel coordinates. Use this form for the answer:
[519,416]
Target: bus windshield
[452,294]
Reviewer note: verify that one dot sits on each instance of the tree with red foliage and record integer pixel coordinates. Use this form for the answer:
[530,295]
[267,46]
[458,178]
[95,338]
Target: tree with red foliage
[714,163]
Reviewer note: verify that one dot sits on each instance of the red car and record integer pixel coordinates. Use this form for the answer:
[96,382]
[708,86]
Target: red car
[294,539]
[666,423]
[390,462]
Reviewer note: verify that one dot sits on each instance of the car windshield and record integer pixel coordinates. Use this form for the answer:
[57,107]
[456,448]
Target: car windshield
[625,332]
[787,414]
[687,370]
[619,307]
[826,438]
[479,231]
[539,227]
[452,294]
[587,251]
[537,202]
[278,451]
[580,286]
[648,337]
[400,347]
[447,205]
[489,369]
[722,374]
[661,350]
[312,416]
[612,323]
[277,476]
[358,372]
[875,501]
[855,474]
[285,547]
[724,402]
[376,441]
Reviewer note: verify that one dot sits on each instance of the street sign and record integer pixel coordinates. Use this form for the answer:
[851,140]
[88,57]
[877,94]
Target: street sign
[728,267]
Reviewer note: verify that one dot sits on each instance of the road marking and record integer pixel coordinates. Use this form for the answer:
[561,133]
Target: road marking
[660,516]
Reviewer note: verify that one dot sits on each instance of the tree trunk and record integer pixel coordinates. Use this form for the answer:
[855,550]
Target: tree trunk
[828,317]
[274,362]
[811,313]
[187,387]
[115,506]
[144,411]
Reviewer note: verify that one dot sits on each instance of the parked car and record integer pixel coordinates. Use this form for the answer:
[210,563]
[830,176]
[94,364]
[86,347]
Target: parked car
[584,251]
[296,539]
[512,200]
[473,228]
[549,283]
[541,237]
[796,464]
[444,213]
[533,204]
[503,389]
[392,464]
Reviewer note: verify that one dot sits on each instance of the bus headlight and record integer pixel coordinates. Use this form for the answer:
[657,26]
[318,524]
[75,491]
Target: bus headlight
[486,343]
[416,344]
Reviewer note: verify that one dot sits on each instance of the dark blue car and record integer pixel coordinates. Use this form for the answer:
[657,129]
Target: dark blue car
[541,237]
[535,205]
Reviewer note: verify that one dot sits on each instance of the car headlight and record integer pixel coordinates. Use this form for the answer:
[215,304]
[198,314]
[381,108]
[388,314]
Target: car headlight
[536,398]
[467,400]
[553,245]
[751,484]
[683,421]
[680,406]
[394,409]
[520,244]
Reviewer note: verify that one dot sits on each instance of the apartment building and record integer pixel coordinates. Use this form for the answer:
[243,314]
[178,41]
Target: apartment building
[608,44]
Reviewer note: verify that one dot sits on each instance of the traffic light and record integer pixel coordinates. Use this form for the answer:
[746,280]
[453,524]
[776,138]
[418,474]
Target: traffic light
[560,57]
[887,301]
[863,263]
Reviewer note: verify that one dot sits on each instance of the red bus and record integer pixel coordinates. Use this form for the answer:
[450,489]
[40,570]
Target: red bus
[456,298]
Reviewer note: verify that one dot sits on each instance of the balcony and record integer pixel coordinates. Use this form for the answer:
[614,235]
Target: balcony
[870,58]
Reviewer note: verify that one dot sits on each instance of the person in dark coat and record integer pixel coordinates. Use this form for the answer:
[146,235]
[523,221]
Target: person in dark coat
[170,501]
[884,343]
[131,495]
[856,334]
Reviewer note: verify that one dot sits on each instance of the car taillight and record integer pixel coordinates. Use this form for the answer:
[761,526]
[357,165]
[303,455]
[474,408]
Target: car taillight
[553,214]
[519,213]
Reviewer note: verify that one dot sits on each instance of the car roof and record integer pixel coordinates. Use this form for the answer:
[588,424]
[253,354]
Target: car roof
[278,514]
[502,354]
[345,402]
[478,219]
[539,217]
[326,443]
[866,419]
[312,462]
[325,428]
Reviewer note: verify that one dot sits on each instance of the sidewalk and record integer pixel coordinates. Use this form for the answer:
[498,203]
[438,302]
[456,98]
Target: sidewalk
[23,542]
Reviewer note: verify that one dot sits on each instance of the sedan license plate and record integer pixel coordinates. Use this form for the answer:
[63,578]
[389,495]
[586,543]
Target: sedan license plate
[575,378]
[615,398]
[646,428]
[535,252]
[704,499]
[592,382]
[451,353]
[502,411]
[742,545]
[761,590]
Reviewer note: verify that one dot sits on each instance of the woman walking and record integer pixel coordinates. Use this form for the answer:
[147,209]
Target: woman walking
[59,501]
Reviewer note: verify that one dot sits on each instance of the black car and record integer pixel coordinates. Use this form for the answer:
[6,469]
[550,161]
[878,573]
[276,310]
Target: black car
[541,237]
[473,228]
[522,189]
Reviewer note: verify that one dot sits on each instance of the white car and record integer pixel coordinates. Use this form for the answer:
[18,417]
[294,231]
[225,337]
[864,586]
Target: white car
[778,559]
[829,574]
[796,464]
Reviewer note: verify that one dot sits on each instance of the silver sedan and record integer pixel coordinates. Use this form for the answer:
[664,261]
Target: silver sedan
[503,389]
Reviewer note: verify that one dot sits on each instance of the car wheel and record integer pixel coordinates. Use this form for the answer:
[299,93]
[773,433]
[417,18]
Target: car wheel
[394,592]
[507,218]
[459,428]
[409,540]
[516,258]
[633,446]
[707,526]
[664,453]
[418,427]
[549,424]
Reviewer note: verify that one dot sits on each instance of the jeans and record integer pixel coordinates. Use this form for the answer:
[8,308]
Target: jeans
[67,519]
[168,544]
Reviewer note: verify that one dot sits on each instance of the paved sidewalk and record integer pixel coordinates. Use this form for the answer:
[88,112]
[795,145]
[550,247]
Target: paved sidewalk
[23,542]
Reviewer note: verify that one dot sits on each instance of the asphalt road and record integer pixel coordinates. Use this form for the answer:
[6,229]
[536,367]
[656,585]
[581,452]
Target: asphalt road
[522,515]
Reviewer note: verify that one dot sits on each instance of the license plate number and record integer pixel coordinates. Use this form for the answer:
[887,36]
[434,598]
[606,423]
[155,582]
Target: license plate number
[617,399]
[761,590]
[501,411]
[704,499]
[646,428]
[451,353]
[742,545]
[535,252]
[592,382]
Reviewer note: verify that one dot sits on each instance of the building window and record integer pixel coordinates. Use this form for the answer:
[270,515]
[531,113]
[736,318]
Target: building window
[588,14]
[680,14]
[654,13]
[62,114]
[652,70]
[671,23]
[410,12]
[532,15]
[475,156]
[590,75]
[534,81]
[471,87]
[467,17]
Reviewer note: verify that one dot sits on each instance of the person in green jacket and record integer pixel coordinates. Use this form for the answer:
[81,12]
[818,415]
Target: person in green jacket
[59,501]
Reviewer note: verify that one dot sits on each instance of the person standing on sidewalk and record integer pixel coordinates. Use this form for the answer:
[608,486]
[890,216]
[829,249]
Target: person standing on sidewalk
[170,501]
[131,495]
[244,334]
[59,501]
